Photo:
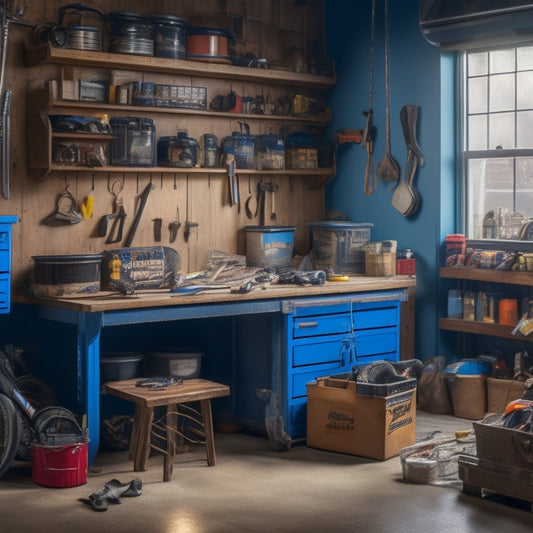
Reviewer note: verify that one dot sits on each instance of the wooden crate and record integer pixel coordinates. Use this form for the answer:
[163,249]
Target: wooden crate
[482,477]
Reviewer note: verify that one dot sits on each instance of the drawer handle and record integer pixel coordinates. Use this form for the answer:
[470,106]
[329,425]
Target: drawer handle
[307,324]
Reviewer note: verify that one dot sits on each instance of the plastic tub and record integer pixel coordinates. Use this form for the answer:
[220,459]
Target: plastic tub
[185,364]
[119,366]
[339,246]
[269,246]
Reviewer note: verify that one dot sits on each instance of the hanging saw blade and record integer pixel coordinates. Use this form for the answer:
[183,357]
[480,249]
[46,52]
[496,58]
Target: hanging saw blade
[5,143]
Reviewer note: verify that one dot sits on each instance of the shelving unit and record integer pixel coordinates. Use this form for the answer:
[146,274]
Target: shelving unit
[489,276]
[64,56]
[45,102]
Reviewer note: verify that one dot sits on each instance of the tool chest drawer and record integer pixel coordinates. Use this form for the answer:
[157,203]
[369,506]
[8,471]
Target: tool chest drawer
[318,352]
[299,379]
[4,294]
[379,317]
[315,325]
[5,261]
[376,342]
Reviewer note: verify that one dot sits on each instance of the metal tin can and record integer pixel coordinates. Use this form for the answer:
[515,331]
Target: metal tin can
[210,151]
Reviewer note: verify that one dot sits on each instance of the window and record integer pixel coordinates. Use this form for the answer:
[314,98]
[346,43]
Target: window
[498,142]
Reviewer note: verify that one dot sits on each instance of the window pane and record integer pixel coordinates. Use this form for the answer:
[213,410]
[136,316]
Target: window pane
[478,64]
[524,129]
[524,57]
[524,185]
[502,61]
[477,132]
[501,131]
[524,90]
[489,188]
[477,95]
[502,92]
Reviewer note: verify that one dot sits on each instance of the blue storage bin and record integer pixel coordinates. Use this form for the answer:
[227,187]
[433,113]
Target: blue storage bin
[469,367]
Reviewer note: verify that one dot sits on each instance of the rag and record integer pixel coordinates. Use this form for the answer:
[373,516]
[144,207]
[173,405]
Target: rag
[112,491]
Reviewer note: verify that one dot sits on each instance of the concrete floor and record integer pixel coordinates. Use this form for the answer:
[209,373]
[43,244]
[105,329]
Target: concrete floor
[253,488]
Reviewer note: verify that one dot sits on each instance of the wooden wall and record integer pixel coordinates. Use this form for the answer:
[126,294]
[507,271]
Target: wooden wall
[268,28]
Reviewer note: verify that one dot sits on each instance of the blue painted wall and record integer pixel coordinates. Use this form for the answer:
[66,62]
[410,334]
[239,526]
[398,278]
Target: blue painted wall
[419,74]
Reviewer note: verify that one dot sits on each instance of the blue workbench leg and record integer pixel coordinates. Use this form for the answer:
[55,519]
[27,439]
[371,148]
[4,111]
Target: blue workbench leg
[89,328]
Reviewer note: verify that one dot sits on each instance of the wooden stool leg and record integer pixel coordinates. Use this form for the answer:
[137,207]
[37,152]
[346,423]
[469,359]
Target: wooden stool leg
[171,423]
[144,432]
[209,434]
[134,439]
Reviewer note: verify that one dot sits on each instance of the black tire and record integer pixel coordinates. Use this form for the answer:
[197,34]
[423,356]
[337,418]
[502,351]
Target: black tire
[10,431]
[40,395]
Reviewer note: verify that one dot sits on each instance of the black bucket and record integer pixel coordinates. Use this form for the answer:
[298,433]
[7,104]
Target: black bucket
[59,275]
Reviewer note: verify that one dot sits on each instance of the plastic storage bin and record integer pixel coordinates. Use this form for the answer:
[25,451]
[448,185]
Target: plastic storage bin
[119,366]
[134,144]
[185,364]
[269,246]
[339,246]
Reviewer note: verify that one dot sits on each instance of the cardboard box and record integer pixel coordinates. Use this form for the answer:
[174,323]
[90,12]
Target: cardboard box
[502,391]
[381,264]
[504,446]
[339,420]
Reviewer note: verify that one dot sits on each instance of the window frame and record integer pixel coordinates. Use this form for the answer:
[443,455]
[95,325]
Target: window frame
[464,155]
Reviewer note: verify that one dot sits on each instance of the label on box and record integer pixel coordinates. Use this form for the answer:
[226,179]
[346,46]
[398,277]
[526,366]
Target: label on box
[339,421]
[397,407]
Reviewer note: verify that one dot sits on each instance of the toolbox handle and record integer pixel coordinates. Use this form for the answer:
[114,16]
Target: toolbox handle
[302,325]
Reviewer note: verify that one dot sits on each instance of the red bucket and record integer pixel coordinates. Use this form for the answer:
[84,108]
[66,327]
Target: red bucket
[59,466]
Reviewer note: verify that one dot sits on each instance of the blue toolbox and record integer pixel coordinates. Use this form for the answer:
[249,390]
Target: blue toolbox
[5,262]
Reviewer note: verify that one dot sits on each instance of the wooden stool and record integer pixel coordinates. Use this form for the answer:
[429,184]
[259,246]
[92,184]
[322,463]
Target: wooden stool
[146,400]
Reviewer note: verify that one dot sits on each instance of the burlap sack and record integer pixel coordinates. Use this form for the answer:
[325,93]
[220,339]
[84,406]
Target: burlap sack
[432,393]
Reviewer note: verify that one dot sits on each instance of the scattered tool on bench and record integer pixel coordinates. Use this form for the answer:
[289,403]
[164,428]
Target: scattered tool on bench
[184,290]
[302,277]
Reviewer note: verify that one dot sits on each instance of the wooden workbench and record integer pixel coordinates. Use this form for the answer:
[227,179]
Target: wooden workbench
[91,313]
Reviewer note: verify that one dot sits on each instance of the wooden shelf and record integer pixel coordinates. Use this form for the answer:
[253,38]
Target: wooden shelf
[38,55]
[491,276]
[69,107]
[196,170]
[482,328]
[315,177]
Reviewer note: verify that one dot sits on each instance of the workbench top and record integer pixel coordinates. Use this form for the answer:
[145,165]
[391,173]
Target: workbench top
[108,301]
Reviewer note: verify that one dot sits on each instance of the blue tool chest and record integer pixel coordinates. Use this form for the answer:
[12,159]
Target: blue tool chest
[5,262]
[330,338]
[311,338]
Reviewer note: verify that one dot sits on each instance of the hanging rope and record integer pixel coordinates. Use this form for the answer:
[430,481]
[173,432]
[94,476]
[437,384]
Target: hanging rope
[367,140]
